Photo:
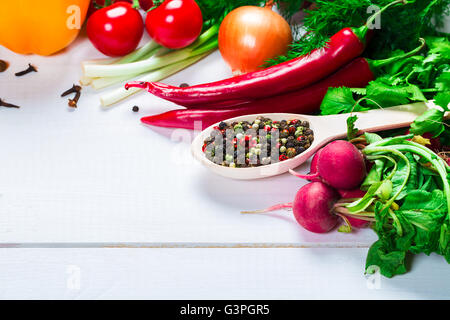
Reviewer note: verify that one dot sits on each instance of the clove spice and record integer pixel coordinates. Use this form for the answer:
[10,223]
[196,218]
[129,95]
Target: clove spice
[73,102]
[8,105]
[74,89]
[30,68]
[3,65]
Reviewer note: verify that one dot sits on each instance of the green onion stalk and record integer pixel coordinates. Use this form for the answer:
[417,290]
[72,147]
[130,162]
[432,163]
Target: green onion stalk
[153,60]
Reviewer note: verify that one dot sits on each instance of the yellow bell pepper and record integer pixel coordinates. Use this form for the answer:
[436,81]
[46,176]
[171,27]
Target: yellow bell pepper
[40,26]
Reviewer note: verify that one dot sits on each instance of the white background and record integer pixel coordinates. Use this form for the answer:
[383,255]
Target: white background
[95,205]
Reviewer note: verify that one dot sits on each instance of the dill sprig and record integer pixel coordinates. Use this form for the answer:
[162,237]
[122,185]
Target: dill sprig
[400,26]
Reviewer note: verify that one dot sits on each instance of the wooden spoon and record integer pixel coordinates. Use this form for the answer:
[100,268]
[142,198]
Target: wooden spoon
[326,129]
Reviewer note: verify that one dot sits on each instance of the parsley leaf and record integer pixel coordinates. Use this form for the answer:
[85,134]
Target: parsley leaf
[352,132]
[340,100]
[442,99]
[431,121]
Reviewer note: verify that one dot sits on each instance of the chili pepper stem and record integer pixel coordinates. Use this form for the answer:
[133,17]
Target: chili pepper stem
[361,32]
[375,65]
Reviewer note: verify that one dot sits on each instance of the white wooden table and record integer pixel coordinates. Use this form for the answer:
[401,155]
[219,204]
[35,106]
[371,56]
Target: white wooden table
[95,205]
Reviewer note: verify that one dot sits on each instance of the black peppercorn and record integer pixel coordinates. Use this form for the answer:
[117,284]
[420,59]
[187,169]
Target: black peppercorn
[299,149]
[3,65]
[238,147]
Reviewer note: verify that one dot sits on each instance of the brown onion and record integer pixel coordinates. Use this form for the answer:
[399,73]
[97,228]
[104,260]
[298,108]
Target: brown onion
[249,36]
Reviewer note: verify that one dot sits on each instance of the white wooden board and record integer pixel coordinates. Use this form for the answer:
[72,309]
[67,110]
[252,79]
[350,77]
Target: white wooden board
[97,175]
[211,274]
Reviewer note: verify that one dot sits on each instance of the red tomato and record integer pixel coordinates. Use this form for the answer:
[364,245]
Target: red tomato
[175,24]
[116,30]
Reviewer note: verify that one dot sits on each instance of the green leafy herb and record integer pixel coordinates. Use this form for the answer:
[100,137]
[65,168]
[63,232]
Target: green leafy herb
[431,121]
[351,130]
[340,100]
[442,99]
[414,79]
[408,195]
[325,18]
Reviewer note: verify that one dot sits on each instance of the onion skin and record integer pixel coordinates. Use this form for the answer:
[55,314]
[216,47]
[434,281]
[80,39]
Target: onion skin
[249,36]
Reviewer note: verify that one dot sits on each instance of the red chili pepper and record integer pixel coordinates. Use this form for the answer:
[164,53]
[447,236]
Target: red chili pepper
[356,74]
[307,100]
[295,74]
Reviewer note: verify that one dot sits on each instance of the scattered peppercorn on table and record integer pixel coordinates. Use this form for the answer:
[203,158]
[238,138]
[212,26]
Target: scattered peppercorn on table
[73,179]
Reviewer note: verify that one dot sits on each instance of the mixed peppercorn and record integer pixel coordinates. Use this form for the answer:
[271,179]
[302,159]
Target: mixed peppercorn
[261,142]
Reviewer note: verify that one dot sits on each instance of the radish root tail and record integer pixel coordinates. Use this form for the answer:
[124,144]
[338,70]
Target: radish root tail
[307,177]
[270,209]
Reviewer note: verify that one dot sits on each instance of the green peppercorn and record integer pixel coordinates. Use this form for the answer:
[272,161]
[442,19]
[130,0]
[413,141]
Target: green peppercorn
[291,152]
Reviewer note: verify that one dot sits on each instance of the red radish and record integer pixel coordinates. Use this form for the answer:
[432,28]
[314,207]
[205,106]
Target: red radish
[313,207]
[353,194]
[340,165]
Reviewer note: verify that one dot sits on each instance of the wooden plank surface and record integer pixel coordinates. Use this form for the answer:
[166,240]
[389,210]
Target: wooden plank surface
[211,274]
[95,175]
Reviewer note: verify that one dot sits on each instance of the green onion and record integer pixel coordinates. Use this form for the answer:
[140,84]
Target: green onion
[119,94]
[152,63]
